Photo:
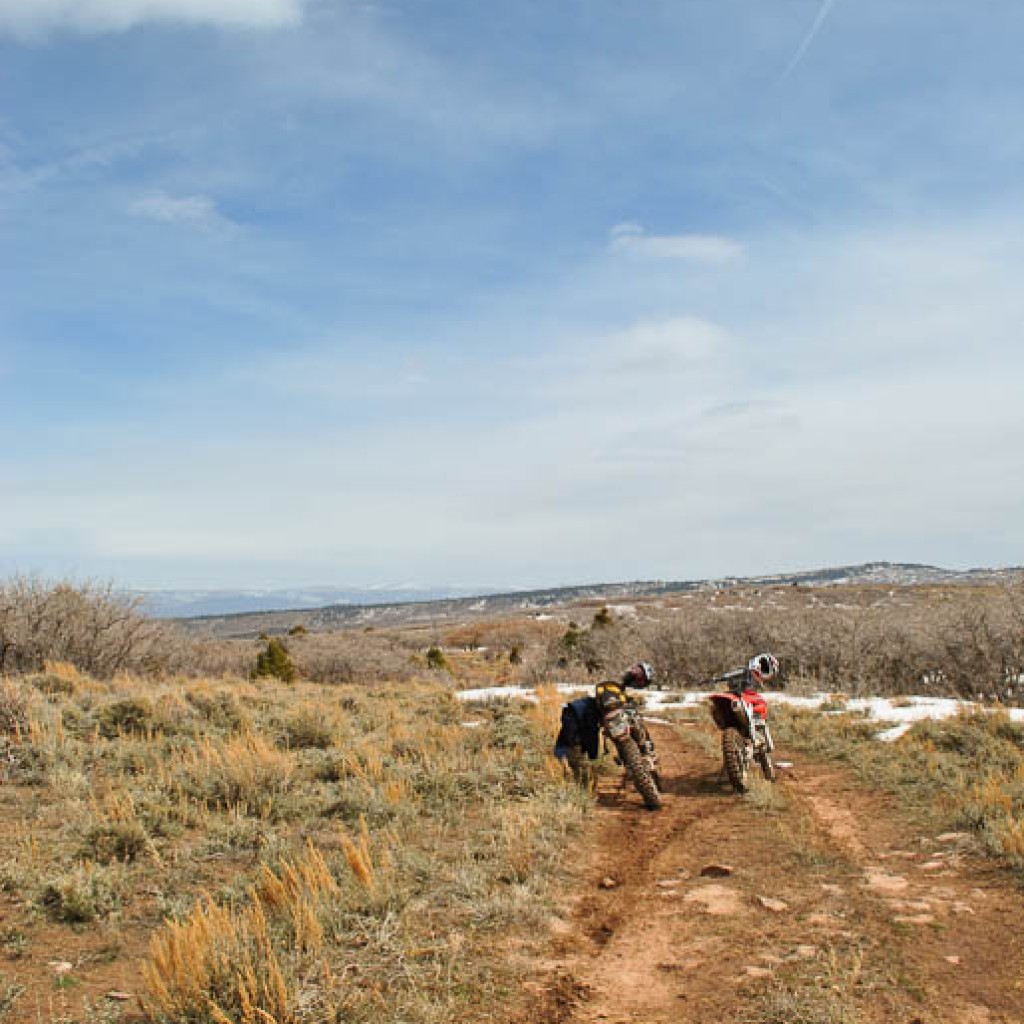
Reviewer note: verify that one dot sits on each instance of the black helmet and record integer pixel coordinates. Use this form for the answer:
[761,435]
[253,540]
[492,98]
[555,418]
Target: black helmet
[638,675]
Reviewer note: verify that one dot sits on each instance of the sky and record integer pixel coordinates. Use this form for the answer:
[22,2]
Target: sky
[499,295]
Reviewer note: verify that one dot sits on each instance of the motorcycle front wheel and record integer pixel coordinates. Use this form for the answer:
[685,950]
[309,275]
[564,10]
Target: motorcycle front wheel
[767,766]
[734,755]
[633,761]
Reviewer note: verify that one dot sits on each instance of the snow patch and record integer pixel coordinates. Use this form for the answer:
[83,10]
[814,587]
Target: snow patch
[903,713]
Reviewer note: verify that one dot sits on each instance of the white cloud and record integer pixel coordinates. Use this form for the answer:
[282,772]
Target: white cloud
[658,347]
[35,17]
[631,240]
[159,205]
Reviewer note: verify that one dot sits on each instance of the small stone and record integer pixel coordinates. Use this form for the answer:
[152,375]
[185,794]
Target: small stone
[954,960]
[771,959]
[910,906]
[60,966]
[608,882]
[933,865]
[915,919]
[716,899]
[757,972]
[822,920]
[882,882]
[832,889]
[953,837]
[716,871]
[774,905]
[963,908]
[805,952]
[667,883]
[120,997]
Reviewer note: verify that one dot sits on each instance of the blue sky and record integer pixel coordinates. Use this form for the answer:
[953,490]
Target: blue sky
[311,291]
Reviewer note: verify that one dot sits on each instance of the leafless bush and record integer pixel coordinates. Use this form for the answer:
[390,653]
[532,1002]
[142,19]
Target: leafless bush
[345,656]
[87,625]
[355,657]
[967,642]
[13,707]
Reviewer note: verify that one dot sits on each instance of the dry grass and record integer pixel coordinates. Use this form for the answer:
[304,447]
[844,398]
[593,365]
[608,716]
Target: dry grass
[293,853]
[965,772]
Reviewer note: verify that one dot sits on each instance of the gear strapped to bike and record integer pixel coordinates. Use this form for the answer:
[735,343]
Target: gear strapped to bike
[612,714]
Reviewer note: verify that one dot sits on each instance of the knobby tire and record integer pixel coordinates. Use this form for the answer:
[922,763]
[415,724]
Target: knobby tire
[734,756]
[767,766]
[633,760]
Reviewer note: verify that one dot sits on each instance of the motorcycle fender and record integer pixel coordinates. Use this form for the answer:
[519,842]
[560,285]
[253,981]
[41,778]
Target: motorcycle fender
[726,714]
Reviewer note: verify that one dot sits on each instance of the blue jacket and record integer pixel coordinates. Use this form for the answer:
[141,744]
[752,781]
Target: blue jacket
[581,725]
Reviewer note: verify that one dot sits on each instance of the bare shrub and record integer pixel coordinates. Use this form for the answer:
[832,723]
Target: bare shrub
[13,707]
[87,625]
[965,641]
[356,657]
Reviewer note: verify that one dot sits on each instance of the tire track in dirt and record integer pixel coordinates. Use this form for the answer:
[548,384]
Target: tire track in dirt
[833,904]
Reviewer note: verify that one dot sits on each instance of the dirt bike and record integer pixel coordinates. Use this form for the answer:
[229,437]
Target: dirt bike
[623,725]
[742,715]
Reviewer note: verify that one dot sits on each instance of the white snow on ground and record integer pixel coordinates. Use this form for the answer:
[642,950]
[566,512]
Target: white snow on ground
[880,709]
[623,609]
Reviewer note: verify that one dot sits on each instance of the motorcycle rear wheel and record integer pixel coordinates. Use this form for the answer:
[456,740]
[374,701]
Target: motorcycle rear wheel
[735,757]
[634,764]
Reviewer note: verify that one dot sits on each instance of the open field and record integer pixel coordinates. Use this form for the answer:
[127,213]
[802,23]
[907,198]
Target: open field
[363,845]
[224,851]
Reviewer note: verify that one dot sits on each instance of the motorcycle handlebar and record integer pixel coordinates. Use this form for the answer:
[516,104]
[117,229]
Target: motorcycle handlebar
[726,677]
[736,673]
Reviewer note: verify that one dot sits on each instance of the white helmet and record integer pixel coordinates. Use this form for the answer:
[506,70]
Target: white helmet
[763,668]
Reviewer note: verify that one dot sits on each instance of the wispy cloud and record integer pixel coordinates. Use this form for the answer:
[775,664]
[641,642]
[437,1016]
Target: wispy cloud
[631,240]
[657,348]
[37,17]
[805,43]
[198,210]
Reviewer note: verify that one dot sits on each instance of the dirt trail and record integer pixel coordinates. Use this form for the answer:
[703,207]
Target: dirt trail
[835,910]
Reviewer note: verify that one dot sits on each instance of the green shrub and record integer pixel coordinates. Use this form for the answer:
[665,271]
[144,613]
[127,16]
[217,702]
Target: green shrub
[125,717]
[436,658]
[275,661]
[116,840]
[220,708]
[86,893]
[305,730]
[572,637]
[54,685]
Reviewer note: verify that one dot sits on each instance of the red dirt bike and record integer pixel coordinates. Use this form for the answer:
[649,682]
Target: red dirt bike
[623,724]
[742,715]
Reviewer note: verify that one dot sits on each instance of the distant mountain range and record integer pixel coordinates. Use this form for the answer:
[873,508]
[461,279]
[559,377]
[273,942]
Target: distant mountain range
[248,612]
[182,604]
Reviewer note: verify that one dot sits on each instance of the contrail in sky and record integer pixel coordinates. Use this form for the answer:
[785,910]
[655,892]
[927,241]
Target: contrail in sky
[805,44]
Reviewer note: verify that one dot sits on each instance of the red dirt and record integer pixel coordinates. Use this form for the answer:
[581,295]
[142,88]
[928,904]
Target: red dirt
[875,921]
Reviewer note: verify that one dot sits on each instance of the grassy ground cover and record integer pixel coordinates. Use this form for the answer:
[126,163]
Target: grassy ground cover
[259,852]
[965,772]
